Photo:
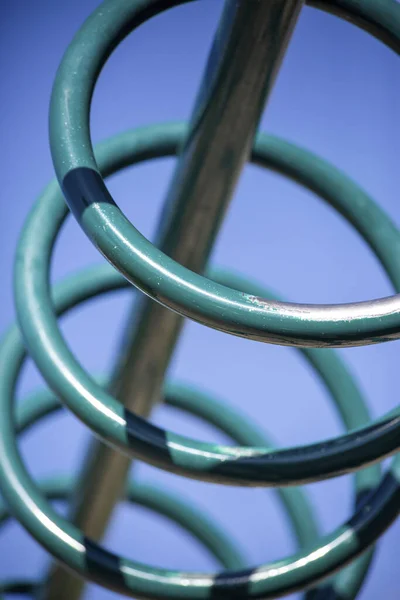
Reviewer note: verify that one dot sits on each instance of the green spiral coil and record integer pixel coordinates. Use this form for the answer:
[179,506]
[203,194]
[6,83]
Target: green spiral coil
[332,567]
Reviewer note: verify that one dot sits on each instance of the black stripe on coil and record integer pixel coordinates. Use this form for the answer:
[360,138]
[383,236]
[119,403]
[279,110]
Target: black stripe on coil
[328,592]
[232,584]
[102,564]
[149,441]
[377,513]
[306,463]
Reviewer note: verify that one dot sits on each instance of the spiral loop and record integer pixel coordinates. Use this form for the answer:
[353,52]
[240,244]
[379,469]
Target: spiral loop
[147,267]
[221,300]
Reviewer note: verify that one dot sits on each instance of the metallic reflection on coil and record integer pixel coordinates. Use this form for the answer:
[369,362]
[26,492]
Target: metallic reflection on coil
[333,567]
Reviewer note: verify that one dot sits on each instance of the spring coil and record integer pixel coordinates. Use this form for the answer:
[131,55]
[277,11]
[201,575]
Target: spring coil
[224,301]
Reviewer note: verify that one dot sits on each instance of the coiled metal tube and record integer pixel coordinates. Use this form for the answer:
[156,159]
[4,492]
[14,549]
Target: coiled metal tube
[221,300]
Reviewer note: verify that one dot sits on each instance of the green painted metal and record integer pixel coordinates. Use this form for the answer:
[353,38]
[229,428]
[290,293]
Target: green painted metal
[238,77]
[341,547]
[347,398]
[346,395]
[146,267]
[338,563]
[133,435]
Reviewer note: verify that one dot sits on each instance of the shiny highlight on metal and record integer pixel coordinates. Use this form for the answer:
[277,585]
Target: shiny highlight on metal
[332,567]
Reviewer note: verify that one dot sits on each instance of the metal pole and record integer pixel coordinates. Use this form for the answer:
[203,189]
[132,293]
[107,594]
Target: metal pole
[245,57]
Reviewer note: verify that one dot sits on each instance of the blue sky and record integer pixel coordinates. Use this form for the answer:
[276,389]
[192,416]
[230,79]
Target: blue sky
[338,95]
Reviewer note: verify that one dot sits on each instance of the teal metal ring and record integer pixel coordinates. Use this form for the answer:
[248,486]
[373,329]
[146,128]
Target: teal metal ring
[66,543]
[228,420]
[190,518]
[380,506]
[352,411]
[42,404]
[120,427]
[146,267]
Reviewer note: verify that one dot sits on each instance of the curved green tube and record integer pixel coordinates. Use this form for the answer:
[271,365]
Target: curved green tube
[121,428]
[143,264]
[234,424]
[95,281]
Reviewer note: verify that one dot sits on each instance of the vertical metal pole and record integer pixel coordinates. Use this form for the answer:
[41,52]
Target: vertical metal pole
[245,57]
